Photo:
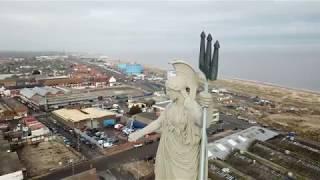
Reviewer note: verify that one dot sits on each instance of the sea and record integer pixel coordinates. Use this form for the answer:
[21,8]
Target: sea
[288,69]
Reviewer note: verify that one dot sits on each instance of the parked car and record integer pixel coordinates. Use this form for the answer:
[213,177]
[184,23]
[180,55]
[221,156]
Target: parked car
[100,142]
[54,130]
[98,134]
[137,145]
[127,131]
[66,141]
[82,139]
[118,126]
[252,122]
[107,144]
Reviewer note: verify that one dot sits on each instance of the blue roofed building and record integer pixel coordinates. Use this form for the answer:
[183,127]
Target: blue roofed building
[131,69]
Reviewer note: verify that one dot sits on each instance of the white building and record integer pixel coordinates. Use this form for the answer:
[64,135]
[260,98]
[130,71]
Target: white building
[112,81]
[241,140]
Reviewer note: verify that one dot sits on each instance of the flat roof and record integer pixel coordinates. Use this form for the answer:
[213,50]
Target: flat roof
[76,115]
[9,163]
[13,103]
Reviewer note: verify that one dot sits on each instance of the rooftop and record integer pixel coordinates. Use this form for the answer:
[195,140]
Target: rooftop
[240,140]
[14,104]
[42,91]
[146,117]
[4,107]
[76,115]
[9,163]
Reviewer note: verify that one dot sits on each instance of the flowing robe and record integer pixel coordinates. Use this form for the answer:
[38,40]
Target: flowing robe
[179,148]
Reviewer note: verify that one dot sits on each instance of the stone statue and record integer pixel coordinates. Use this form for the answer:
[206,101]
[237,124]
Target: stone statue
[180,127]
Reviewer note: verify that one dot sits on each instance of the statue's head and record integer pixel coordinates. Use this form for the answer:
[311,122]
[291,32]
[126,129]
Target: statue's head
[184,84]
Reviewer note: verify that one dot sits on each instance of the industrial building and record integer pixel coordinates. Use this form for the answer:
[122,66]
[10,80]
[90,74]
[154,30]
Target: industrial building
[131,69]
[12,109]
[19,109]
[259,153]
[6,113]
[82,118]
[221,148]
[50,98]
[37,97]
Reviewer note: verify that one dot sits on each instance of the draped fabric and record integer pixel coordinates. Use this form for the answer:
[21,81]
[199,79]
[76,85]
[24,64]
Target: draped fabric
[178,152]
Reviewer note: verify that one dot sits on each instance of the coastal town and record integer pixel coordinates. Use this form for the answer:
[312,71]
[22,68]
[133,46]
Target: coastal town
[70,116]
[159,90]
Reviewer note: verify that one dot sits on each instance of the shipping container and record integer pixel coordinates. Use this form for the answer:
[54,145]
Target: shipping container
[138,125]
[109,123]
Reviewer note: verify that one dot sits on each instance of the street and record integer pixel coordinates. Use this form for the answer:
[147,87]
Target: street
[86,150]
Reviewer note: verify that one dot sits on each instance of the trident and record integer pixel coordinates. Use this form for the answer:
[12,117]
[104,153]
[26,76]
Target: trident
[209,67]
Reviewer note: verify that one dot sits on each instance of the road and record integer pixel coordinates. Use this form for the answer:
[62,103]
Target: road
[104,163]
[229,122]
[84,149]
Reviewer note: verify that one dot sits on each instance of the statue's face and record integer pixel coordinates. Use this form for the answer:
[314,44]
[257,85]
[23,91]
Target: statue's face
[172,90]
[173,94]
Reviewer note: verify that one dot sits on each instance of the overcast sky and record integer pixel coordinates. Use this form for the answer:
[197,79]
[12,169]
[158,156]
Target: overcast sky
[259,35]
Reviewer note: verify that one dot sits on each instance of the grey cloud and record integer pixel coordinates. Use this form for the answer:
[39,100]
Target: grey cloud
[155,32]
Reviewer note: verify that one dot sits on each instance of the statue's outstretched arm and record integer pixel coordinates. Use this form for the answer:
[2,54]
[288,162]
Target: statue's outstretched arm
[152,127]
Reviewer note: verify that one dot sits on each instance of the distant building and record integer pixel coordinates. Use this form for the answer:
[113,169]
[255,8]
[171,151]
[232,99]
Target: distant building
[4,91]
[6,113]
[8,82]
[112,81]
[131,69]
[122,66]
[19,109]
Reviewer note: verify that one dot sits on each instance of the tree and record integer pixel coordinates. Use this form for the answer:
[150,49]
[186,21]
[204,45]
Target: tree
[150,103]
[135,110]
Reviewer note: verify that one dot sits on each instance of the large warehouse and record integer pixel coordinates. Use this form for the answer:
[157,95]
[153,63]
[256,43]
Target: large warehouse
[81,118]
[50,98]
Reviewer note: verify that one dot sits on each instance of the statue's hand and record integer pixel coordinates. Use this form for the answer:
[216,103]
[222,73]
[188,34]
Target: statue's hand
[205,99]
[133,137]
